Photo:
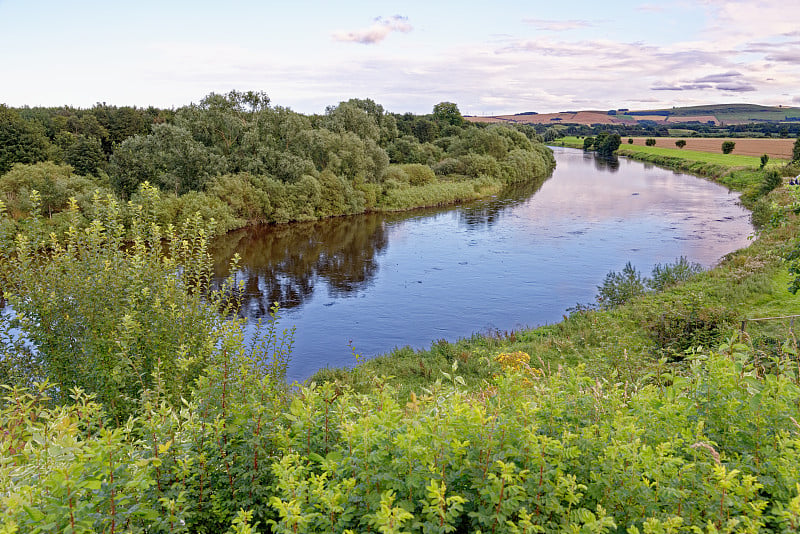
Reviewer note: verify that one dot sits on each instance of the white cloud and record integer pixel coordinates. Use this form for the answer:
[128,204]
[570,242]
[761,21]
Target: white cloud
[377,32]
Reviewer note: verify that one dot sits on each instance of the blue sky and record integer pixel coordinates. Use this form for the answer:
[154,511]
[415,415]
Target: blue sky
[490,58]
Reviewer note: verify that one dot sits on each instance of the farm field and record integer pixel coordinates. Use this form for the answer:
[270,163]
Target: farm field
[774,148]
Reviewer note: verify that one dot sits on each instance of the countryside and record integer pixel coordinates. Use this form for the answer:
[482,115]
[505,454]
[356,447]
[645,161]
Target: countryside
[301,309]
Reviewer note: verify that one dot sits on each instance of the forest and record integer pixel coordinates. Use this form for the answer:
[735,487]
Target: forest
[134,399]
[241,161]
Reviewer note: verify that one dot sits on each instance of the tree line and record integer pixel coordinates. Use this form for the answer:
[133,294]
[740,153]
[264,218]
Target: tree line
[240,160]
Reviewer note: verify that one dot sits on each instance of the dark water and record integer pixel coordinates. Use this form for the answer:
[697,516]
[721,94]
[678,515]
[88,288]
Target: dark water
[382,281]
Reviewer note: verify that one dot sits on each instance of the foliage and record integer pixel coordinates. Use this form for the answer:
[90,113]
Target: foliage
[650,141]
[106,310]
[588,142]
[20,140]
[715,447]
[667,275]
[796,151]
[680,143]
[619,288]
[607,143]
[764,160]
[728,146]
[55,185]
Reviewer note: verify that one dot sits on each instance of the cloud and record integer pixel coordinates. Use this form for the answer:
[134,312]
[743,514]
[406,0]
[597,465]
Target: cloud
[377,32]
[558,25]
[719,78]
[787,56]
[736,87]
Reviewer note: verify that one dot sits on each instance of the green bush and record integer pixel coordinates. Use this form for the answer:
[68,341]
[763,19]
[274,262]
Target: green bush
[650,141]
[728,146]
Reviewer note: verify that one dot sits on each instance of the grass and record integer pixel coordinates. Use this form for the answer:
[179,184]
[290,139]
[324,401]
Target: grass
[627,342]
[728,160]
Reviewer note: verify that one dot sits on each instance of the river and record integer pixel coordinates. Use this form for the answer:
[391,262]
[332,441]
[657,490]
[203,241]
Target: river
[379,281]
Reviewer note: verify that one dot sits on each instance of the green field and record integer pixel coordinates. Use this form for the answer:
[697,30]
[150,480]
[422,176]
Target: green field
[728,160]
[731,160]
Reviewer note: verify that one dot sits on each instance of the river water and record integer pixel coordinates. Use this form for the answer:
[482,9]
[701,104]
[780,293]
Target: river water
[379,281]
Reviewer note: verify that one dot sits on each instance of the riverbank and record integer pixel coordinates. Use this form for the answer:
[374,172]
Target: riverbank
[630,340]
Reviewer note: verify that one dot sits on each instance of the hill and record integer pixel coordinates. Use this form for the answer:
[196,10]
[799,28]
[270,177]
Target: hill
[715,115]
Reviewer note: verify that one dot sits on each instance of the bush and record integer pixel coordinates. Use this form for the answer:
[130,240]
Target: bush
[588,143]
[669,274]
[650,141]
[680,143]
[728,146]
[630,140]
[619,288]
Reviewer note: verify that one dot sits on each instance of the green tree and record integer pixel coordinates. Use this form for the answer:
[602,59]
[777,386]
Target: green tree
[796,150]
[588,143]
[680,143]
[447,113]
[607,143]
[20,141]
[728,146]
[764,160]
[650,141]
[550,135]
[169,158]
[85,154]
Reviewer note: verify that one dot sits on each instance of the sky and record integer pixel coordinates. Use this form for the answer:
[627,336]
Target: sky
[490,58]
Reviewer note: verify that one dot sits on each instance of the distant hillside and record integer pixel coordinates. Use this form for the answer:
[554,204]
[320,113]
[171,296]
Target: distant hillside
[716,115]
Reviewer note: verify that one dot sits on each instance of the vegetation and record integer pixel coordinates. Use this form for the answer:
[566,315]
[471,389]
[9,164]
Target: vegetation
[653,412]
[728,146]
[241,161]
[680,143]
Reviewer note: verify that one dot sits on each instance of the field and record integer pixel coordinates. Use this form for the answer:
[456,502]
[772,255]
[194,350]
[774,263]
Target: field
[723,114]
[774,148]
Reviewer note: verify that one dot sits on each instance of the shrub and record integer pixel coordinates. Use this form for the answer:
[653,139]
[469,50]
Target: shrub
[680,143]
[728,146]
[630,140]
[619,288]
[650,141]
[669,274]
[588,143]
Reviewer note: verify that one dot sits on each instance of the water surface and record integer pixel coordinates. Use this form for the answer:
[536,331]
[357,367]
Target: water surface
[381,281]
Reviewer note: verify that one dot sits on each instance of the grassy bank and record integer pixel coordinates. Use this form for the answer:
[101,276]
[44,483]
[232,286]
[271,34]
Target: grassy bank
[628,341]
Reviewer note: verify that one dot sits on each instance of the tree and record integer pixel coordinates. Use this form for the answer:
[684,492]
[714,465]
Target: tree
[680,143]
[85,154]
[447,113]
[796,151]
[650,141]
[764,160]
[168,158]
[630,140]
[728,146]
[588,142]
[550,135]
[606,144]
[20,141]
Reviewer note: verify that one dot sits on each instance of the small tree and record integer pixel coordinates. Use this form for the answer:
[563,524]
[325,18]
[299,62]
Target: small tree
[630,140]
[796,150]
[764,160]
[728,146]
[680,143]
[650,141]
[588,142]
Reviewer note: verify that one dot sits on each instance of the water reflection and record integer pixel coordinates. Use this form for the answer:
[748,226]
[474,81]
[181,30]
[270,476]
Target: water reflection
[606,163]
[487,213]
[284,263]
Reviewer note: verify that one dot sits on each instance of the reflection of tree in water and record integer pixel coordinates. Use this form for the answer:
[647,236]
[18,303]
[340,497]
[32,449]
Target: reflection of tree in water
[606,163]
[486,213]
[282,263]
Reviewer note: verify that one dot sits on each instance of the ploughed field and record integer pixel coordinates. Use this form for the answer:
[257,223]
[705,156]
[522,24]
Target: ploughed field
[774,148]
